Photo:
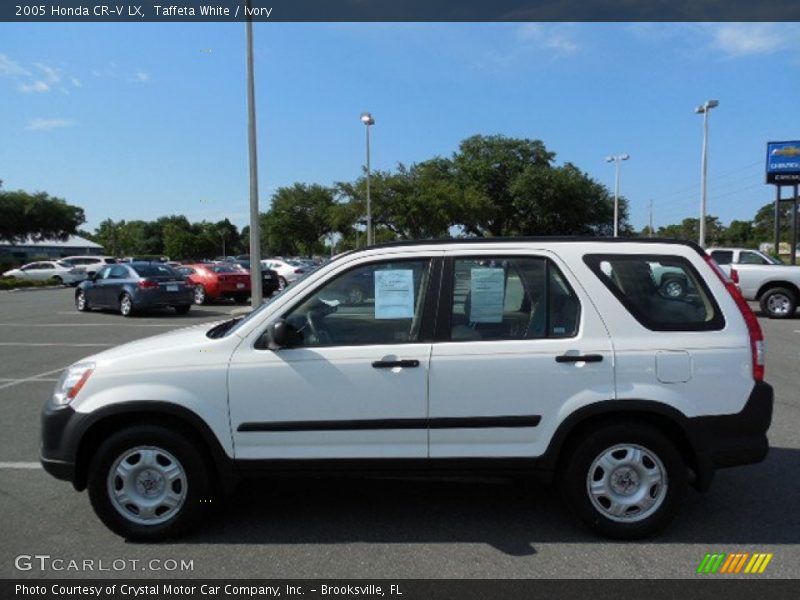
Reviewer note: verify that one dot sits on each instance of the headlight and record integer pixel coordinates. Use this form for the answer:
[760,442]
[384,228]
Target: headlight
[71,382]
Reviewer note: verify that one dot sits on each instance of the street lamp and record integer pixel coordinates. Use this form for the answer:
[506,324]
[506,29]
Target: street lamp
[366,119]
[616,159]
[704,109]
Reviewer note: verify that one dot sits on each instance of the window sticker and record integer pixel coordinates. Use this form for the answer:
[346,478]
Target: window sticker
[394,294]
[487,295]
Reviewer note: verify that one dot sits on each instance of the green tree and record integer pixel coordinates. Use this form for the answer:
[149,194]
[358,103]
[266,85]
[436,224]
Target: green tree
[689,229]
[491,166]
[298,218]
[38,216]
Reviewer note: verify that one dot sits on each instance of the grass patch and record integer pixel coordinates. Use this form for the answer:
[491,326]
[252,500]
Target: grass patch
[11,283]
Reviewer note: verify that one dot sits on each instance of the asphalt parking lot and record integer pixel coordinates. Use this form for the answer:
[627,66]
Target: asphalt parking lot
[367,529]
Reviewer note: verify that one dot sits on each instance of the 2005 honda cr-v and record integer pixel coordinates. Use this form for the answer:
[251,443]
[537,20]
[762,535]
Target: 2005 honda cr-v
[556,357]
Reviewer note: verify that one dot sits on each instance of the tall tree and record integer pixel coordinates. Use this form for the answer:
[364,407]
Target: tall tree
[298,219]
[491,166]
[38,216]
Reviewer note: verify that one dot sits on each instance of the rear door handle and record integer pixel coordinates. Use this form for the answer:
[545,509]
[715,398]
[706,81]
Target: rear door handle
[391,364]
[567,358]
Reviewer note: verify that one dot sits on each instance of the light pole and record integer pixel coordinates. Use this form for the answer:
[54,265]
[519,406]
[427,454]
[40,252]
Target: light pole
[256,296]
[366,119]
[616,160]
[704,109]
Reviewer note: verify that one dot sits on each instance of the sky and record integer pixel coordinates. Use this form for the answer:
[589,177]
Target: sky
[136,121]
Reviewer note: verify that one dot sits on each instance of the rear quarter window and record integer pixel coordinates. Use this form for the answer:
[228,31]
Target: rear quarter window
[662,292]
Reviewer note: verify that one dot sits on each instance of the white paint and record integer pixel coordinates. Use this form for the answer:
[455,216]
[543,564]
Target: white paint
[20,465]
[31,378]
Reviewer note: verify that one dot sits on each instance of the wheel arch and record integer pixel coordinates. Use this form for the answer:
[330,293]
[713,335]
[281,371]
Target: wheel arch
[778,283]
[177,418]
[664,418]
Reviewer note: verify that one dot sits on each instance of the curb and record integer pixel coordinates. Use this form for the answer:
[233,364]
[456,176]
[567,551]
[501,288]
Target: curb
[241,311]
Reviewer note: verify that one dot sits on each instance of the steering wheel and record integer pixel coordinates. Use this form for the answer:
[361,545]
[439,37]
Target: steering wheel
[313,326]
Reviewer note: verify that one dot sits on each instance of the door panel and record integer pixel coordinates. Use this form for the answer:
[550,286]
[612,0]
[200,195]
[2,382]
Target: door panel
[357,385]
[501,360]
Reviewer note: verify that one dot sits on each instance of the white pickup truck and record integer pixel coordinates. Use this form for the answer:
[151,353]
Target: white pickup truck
[760,277]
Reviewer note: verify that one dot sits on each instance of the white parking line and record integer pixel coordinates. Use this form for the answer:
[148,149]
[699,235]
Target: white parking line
[39,344]
[8,379]
[20,465]
[31,378]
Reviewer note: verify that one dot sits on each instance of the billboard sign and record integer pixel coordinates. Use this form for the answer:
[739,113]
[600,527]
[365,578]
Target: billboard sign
[783,163]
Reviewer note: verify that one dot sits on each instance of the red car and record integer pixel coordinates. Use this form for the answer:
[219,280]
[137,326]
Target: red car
[212,282]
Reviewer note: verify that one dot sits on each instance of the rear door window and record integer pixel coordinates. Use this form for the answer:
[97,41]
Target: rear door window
[663,293]
[511,298]
[722,257]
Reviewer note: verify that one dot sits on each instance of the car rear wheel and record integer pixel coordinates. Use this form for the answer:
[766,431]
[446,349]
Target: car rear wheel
[57,280]
[80,301]
[778,303]
[200,295]
[148,483]
[624,481]
[125,305]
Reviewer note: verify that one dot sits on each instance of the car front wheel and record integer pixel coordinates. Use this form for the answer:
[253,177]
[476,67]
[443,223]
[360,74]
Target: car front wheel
[80,301]
[624,481]
[148,483]
[199,295]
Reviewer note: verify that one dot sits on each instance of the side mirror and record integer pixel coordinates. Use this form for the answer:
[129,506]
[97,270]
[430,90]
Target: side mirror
[282,335]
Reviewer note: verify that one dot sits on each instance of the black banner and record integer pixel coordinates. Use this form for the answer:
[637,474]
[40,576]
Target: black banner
[707,588]
[397,10]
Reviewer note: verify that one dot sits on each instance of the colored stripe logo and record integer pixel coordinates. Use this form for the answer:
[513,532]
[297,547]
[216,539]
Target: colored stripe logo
[736,562]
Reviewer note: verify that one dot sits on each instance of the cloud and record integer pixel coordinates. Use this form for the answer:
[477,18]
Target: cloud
[51,74]
[743,39]
[557,38]
[76,82]
[35,86]
[140,77]
[48,124]
[10,68]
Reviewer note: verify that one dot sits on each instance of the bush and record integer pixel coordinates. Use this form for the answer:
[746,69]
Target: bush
[10,283]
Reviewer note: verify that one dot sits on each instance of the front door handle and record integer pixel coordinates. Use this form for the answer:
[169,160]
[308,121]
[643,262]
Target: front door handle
[567,358]
[391,364]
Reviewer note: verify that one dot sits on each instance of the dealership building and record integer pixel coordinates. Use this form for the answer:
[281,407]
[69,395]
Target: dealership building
[29,250]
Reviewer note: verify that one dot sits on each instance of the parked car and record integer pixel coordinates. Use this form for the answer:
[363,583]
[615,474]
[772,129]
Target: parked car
[135,286]
[90,264]
[762,278]
[212,282]
[509,357]
[56,271]
[288,271]
[269,278]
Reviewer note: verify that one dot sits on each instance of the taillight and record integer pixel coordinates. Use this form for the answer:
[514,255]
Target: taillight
[146,284]
[753,327]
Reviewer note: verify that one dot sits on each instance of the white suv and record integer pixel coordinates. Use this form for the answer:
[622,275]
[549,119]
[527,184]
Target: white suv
[558,358]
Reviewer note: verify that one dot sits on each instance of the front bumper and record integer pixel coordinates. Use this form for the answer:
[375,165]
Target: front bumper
[57,453]
[730,440]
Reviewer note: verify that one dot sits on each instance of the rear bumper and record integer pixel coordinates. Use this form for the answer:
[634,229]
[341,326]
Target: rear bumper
[731,440]
[158,299]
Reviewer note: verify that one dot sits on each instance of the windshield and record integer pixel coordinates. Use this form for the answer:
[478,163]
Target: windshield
[224,269]
[153,270]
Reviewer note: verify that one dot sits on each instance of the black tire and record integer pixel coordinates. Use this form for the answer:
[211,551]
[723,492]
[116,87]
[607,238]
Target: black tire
[196,494]
[282,283]
[126,305]
[183,309]
[200,295]
[634,522]
[57,280]
[779,303]
[673,287]
[241,298]
[81,303]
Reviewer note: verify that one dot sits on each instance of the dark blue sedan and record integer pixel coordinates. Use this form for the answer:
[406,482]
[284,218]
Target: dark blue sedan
[135,286]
